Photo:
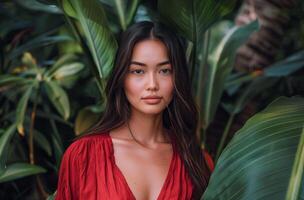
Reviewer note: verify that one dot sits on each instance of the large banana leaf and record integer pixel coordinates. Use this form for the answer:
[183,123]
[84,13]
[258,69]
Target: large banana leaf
[100,40]
[192,18]
[125,10]
[257,163]
[257,86]
[214,75]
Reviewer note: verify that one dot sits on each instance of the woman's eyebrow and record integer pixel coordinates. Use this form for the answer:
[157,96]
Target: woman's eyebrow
[144,65]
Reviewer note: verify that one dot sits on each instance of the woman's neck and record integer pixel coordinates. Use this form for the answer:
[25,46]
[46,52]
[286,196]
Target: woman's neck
[147,129]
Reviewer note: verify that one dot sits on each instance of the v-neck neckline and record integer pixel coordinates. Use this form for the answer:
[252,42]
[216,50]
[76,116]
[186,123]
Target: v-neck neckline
[125,180]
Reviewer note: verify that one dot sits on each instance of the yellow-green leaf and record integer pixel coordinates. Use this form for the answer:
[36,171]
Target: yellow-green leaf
[21,108]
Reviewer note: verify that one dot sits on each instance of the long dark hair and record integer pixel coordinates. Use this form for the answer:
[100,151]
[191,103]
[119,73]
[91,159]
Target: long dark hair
[181,115]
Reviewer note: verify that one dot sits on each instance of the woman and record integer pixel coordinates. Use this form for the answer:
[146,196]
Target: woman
[145,146]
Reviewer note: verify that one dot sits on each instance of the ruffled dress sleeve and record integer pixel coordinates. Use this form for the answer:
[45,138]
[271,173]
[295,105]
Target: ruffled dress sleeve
[68,187]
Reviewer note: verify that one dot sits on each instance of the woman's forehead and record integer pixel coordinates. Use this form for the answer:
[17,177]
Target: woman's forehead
[150,50]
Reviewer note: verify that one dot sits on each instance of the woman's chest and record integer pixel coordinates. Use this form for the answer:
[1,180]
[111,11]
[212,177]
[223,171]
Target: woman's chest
[144,173]
[107,175]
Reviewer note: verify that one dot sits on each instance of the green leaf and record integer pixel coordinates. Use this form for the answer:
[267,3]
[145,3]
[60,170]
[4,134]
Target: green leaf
[65,59]
[296,178]
[19,170]
[42,142]
[192,18]
[4,143]
[38,6]
[125,12]
[58,97]
[251,90]
[257,163]
[52,196]
[29,60]
[21,108]
[257,86]
[68,8]
[86,117]
[216,73]
[58,150]
[55,137]
[9,81]
[100,40]
[287,66]
[68,70]
[42,40]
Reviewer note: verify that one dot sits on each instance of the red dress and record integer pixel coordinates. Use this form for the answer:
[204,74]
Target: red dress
[88,171]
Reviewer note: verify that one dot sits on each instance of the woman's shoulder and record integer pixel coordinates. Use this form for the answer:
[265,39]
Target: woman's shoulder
[87,143]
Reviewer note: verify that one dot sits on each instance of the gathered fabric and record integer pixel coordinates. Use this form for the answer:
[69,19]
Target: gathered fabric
[88,171]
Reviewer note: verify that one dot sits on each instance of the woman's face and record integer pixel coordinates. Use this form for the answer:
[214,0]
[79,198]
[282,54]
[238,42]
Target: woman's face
[149,82]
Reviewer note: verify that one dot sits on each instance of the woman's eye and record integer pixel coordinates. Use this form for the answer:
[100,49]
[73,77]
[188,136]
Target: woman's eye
[137,71]
[166,71]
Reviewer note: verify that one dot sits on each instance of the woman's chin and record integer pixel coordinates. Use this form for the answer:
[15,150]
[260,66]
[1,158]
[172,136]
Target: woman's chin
[150,110]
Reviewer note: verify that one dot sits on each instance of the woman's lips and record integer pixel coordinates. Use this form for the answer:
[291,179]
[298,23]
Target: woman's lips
[152,100]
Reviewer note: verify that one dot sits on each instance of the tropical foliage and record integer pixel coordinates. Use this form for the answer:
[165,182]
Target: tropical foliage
[55,58]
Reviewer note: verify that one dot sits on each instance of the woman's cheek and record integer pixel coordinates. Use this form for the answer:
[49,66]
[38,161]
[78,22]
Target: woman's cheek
[133,88]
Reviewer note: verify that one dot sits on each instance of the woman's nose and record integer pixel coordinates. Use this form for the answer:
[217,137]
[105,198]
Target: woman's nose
[152,82]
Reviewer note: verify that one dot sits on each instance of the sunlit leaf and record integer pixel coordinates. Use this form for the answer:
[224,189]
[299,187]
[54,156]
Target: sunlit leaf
[68,70]
[29,60]
[65,59]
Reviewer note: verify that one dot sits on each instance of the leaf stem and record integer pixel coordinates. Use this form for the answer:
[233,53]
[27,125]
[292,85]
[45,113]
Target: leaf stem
[40,188]
[200,84]
[132,11]
[121,14]
[224,137]
[31,131]
[296,177]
